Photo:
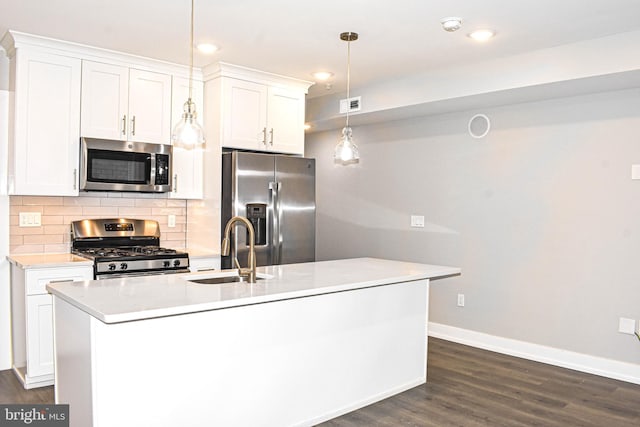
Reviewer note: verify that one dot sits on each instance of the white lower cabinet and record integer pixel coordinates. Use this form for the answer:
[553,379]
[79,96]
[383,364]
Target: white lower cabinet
[40,335]
[32,320]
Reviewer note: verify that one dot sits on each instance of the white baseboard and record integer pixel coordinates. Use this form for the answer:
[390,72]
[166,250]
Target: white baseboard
[623,371]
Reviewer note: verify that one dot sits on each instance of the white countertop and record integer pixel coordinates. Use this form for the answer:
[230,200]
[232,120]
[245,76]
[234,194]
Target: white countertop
[44,260]
[145,297]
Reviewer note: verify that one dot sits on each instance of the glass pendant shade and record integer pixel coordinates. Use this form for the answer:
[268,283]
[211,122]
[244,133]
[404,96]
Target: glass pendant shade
[188,133]
[346,151]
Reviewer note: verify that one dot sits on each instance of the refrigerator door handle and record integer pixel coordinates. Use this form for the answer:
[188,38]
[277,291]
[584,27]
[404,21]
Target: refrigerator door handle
[276,236]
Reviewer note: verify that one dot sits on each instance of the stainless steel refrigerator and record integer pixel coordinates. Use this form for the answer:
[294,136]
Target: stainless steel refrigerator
[277,194]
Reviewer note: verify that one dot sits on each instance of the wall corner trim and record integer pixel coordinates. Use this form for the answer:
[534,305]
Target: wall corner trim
[609,368]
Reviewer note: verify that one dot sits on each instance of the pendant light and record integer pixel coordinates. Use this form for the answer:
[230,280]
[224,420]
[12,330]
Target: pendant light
[188,133]
[346,151]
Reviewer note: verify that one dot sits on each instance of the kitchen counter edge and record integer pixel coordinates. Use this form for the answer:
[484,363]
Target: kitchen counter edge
[141,298]
[47,260]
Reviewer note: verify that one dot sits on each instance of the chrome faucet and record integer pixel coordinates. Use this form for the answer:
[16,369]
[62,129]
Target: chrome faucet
[248,273]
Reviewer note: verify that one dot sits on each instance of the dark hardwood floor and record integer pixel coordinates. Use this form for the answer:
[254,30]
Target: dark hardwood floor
[11,391]
[471,387]
[467,386]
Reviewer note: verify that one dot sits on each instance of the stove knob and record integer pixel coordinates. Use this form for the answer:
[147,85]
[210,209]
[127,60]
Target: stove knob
[112,267]
[166,264]
[176,263]
[123,266]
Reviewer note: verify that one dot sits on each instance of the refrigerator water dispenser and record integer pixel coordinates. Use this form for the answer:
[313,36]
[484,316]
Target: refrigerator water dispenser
[257,215]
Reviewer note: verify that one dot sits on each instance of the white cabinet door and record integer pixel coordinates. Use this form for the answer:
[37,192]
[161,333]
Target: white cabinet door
[149,107]
[285,127]
[39,335]
[34,321]
[104,101]
[47,125]
[125,104]
[187,165]
[263,118]
[244,110]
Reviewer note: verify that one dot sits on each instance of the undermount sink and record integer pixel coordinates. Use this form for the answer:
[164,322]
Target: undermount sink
[222,277]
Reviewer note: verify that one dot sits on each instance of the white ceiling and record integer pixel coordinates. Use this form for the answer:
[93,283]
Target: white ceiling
[297,37]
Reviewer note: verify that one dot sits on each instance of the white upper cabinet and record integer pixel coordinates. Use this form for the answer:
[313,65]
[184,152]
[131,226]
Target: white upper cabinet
[244,114]
[60,91]
[105,95]
[149,106]
[188,165]
[45,131]
[125,103]
[262,117]
[258,111]
[285,124]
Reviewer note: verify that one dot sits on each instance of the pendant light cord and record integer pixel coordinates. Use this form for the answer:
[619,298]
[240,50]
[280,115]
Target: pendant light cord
[348,76]
[191,54]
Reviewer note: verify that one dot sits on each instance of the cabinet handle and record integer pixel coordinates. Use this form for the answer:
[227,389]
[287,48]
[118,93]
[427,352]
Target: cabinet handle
[133,125]
[264,136]
[271,133]
[60,281]
[124,124]
[175,183]
[75,179]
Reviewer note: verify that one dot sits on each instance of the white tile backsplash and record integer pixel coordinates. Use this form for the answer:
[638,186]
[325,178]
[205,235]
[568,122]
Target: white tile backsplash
[58,212]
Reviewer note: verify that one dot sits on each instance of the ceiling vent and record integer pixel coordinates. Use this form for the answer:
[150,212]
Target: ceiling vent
[350,104]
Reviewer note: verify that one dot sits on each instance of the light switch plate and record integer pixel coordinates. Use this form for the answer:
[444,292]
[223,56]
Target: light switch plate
[635,171]
[30,219]
[627,326]
[171,220]
[417,221]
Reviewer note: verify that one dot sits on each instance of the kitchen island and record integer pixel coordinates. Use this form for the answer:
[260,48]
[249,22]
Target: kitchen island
[306,343]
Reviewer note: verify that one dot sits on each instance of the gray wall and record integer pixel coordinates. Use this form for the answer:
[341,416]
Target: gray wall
[542,215]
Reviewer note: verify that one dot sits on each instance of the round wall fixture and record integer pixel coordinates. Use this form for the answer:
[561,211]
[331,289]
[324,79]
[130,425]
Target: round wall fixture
[479,126]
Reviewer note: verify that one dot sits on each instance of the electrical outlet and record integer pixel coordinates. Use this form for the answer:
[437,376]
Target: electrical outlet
[171,220]
[627,326]
[460,300]
[30,219]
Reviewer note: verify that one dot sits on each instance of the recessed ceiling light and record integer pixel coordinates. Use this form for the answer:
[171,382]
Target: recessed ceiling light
[207,48]
[482,35]
[322,75]
[451,23]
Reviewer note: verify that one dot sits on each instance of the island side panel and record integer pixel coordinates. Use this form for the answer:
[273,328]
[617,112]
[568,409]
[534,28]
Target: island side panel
[291,362]
[72,361]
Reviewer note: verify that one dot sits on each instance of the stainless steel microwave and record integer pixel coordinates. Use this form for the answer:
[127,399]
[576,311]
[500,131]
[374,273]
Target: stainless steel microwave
[109,165]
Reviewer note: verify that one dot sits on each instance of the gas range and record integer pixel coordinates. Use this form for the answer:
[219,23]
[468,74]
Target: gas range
[125,247]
